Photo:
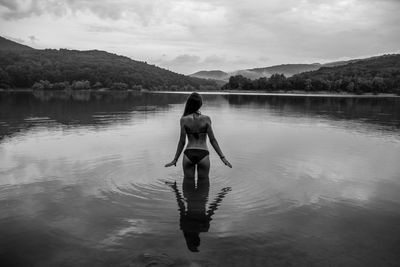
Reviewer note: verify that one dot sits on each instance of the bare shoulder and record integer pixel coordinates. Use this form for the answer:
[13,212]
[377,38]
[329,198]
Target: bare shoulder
[206,118]
[183,120]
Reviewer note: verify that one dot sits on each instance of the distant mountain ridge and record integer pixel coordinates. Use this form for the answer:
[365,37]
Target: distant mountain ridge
[210,74]
[6,44]
[286,69]
[255,73]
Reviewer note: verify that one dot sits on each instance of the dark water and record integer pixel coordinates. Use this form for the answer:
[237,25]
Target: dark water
[315,182]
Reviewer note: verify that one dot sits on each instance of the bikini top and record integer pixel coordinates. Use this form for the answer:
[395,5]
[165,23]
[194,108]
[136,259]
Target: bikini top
[188,131]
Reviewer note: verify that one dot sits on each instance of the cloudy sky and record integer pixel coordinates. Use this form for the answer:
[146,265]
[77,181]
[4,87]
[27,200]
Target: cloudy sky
[190,35]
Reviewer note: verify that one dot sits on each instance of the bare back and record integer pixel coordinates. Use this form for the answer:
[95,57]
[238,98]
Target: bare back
[197,127]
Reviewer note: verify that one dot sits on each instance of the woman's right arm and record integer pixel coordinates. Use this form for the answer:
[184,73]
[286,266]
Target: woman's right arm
[215,145]
[181,145]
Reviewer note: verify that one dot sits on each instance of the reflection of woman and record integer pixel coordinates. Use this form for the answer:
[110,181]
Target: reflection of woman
[194,218]
[196,126]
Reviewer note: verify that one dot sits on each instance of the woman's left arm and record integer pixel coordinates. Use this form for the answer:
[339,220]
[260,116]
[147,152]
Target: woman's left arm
[181,145]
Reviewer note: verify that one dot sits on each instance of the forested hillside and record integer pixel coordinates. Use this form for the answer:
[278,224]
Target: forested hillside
[374,75]
[6,44]
[62,69]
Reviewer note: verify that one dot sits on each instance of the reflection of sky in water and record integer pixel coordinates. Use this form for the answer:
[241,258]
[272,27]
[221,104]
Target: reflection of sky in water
[297,176]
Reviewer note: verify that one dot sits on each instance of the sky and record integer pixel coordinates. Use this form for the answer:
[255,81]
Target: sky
[186,36]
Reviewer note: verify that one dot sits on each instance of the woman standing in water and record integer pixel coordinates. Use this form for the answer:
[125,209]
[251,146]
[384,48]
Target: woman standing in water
[195,218]
[197,127]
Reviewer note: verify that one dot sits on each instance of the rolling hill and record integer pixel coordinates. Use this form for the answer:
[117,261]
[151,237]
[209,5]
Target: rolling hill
[22,67]
[385,66]
[9,45]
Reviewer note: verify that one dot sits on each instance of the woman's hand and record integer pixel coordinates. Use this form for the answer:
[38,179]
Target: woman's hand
[171,163]
[226,162]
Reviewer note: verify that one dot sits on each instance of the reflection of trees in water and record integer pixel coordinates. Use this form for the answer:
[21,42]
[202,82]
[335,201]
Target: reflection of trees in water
[79,107]
[75,108]
[378,110]
[195,217]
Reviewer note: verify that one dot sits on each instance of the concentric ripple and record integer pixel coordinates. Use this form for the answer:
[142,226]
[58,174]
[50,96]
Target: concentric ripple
[314,182]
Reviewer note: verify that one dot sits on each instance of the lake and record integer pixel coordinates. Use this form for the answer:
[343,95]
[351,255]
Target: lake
[315,181]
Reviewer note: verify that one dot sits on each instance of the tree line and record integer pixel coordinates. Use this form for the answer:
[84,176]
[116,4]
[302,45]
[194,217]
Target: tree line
[374,75]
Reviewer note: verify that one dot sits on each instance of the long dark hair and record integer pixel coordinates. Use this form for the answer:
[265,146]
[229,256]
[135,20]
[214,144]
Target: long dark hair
[193,104]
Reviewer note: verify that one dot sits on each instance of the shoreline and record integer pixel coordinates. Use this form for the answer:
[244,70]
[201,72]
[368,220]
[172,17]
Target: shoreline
[220,92]
[292,94]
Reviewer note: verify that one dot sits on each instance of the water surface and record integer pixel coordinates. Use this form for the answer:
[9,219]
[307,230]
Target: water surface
[315,182]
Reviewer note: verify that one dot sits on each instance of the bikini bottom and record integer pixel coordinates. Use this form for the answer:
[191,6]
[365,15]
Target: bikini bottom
[195,155]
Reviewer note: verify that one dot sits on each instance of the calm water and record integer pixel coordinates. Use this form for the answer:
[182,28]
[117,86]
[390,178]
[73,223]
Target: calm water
[315,182]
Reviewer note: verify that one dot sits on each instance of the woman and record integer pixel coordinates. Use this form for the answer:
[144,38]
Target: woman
[196,126]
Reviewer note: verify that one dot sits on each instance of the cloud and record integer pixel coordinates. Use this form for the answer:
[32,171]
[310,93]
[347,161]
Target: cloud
[26,8]
[180,63]
[32,38]
[211,33]
[214,60]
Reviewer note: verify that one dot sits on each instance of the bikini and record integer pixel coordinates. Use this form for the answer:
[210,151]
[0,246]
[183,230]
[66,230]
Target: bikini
[195,155]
